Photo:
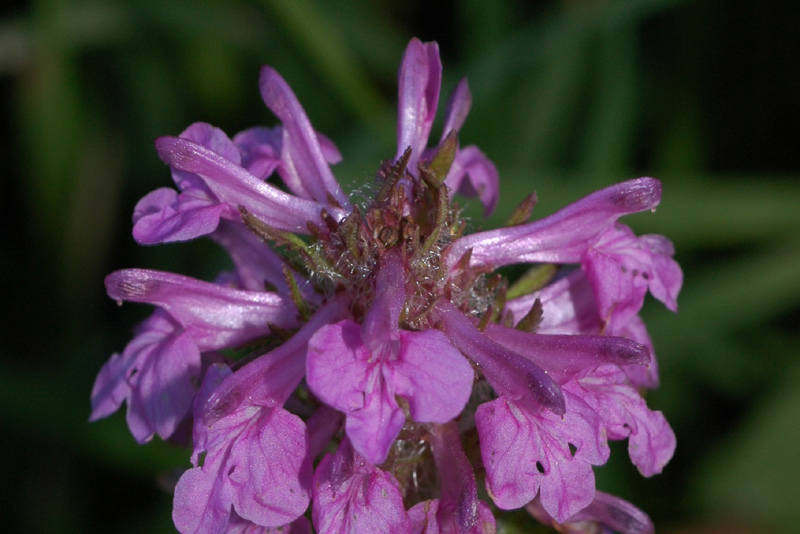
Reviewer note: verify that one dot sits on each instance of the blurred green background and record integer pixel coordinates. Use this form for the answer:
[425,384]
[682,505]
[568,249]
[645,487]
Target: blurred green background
[569,96]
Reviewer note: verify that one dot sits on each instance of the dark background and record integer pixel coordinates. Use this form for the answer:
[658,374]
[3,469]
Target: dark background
[568,96]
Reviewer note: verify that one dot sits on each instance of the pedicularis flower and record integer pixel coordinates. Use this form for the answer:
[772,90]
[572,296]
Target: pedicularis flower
[391,375]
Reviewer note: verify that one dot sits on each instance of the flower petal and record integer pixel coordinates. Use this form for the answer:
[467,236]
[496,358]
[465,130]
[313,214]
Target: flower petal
[256,263]
[165,216]
[264,450]
[506,371]
[342,374]
[525,448]
[432,375]
[419,82]
[563,236]
[473,174]
[237,187]
[156,374]
[458,105]
[216,316]
[350,495]
[261,150]
[563,356]
[303,165]
[624,412]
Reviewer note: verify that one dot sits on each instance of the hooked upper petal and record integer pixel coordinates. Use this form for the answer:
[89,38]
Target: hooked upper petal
[216,316]
[419,82]
[234,185]
[457,108]
[562,237]
[306,171]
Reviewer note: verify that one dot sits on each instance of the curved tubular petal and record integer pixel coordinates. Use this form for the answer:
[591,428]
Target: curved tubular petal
[419,81]
[457,108]
[506,371]
[561,237]
[562,356]
[216,316]
[306,172]
[234,185]
[288,360]
[473,174]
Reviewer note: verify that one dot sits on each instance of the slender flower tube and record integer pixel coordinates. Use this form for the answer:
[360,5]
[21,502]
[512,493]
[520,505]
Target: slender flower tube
[361,368]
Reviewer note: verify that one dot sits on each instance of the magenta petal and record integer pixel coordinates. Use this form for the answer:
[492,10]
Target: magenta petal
[216,316]
[458,105]
[238,525]
[666,276]
[304,168]
[617,514]
[373,428]
[424,518]
[607,513]
[624,412]
[351,496]
[111,386]
[381,322]
[507,371]
[563,236]
[201,503]
[154,202]
[335,372]
[256,263]
[165,387]
[156,374]
[525,449]
[420,78]
[272,477]
[213,139]
[641,376]
[237,187]
[260,469]
[621,267]
[261,150]
[340,372]
[165,216]
[458,510]
[563,356]
[473,174]
[568,306]
[432,375]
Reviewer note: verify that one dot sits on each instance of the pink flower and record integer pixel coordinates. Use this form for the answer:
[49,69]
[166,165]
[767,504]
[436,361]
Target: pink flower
[382,334]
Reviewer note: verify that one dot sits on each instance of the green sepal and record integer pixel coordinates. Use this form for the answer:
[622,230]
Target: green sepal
[522,213]
[534,279]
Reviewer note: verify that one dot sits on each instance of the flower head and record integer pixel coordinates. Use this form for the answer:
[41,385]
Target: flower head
[390,371]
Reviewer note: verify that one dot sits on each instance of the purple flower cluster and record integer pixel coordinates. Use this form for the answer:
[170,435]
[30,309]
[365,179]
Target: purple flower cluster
[390,374]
